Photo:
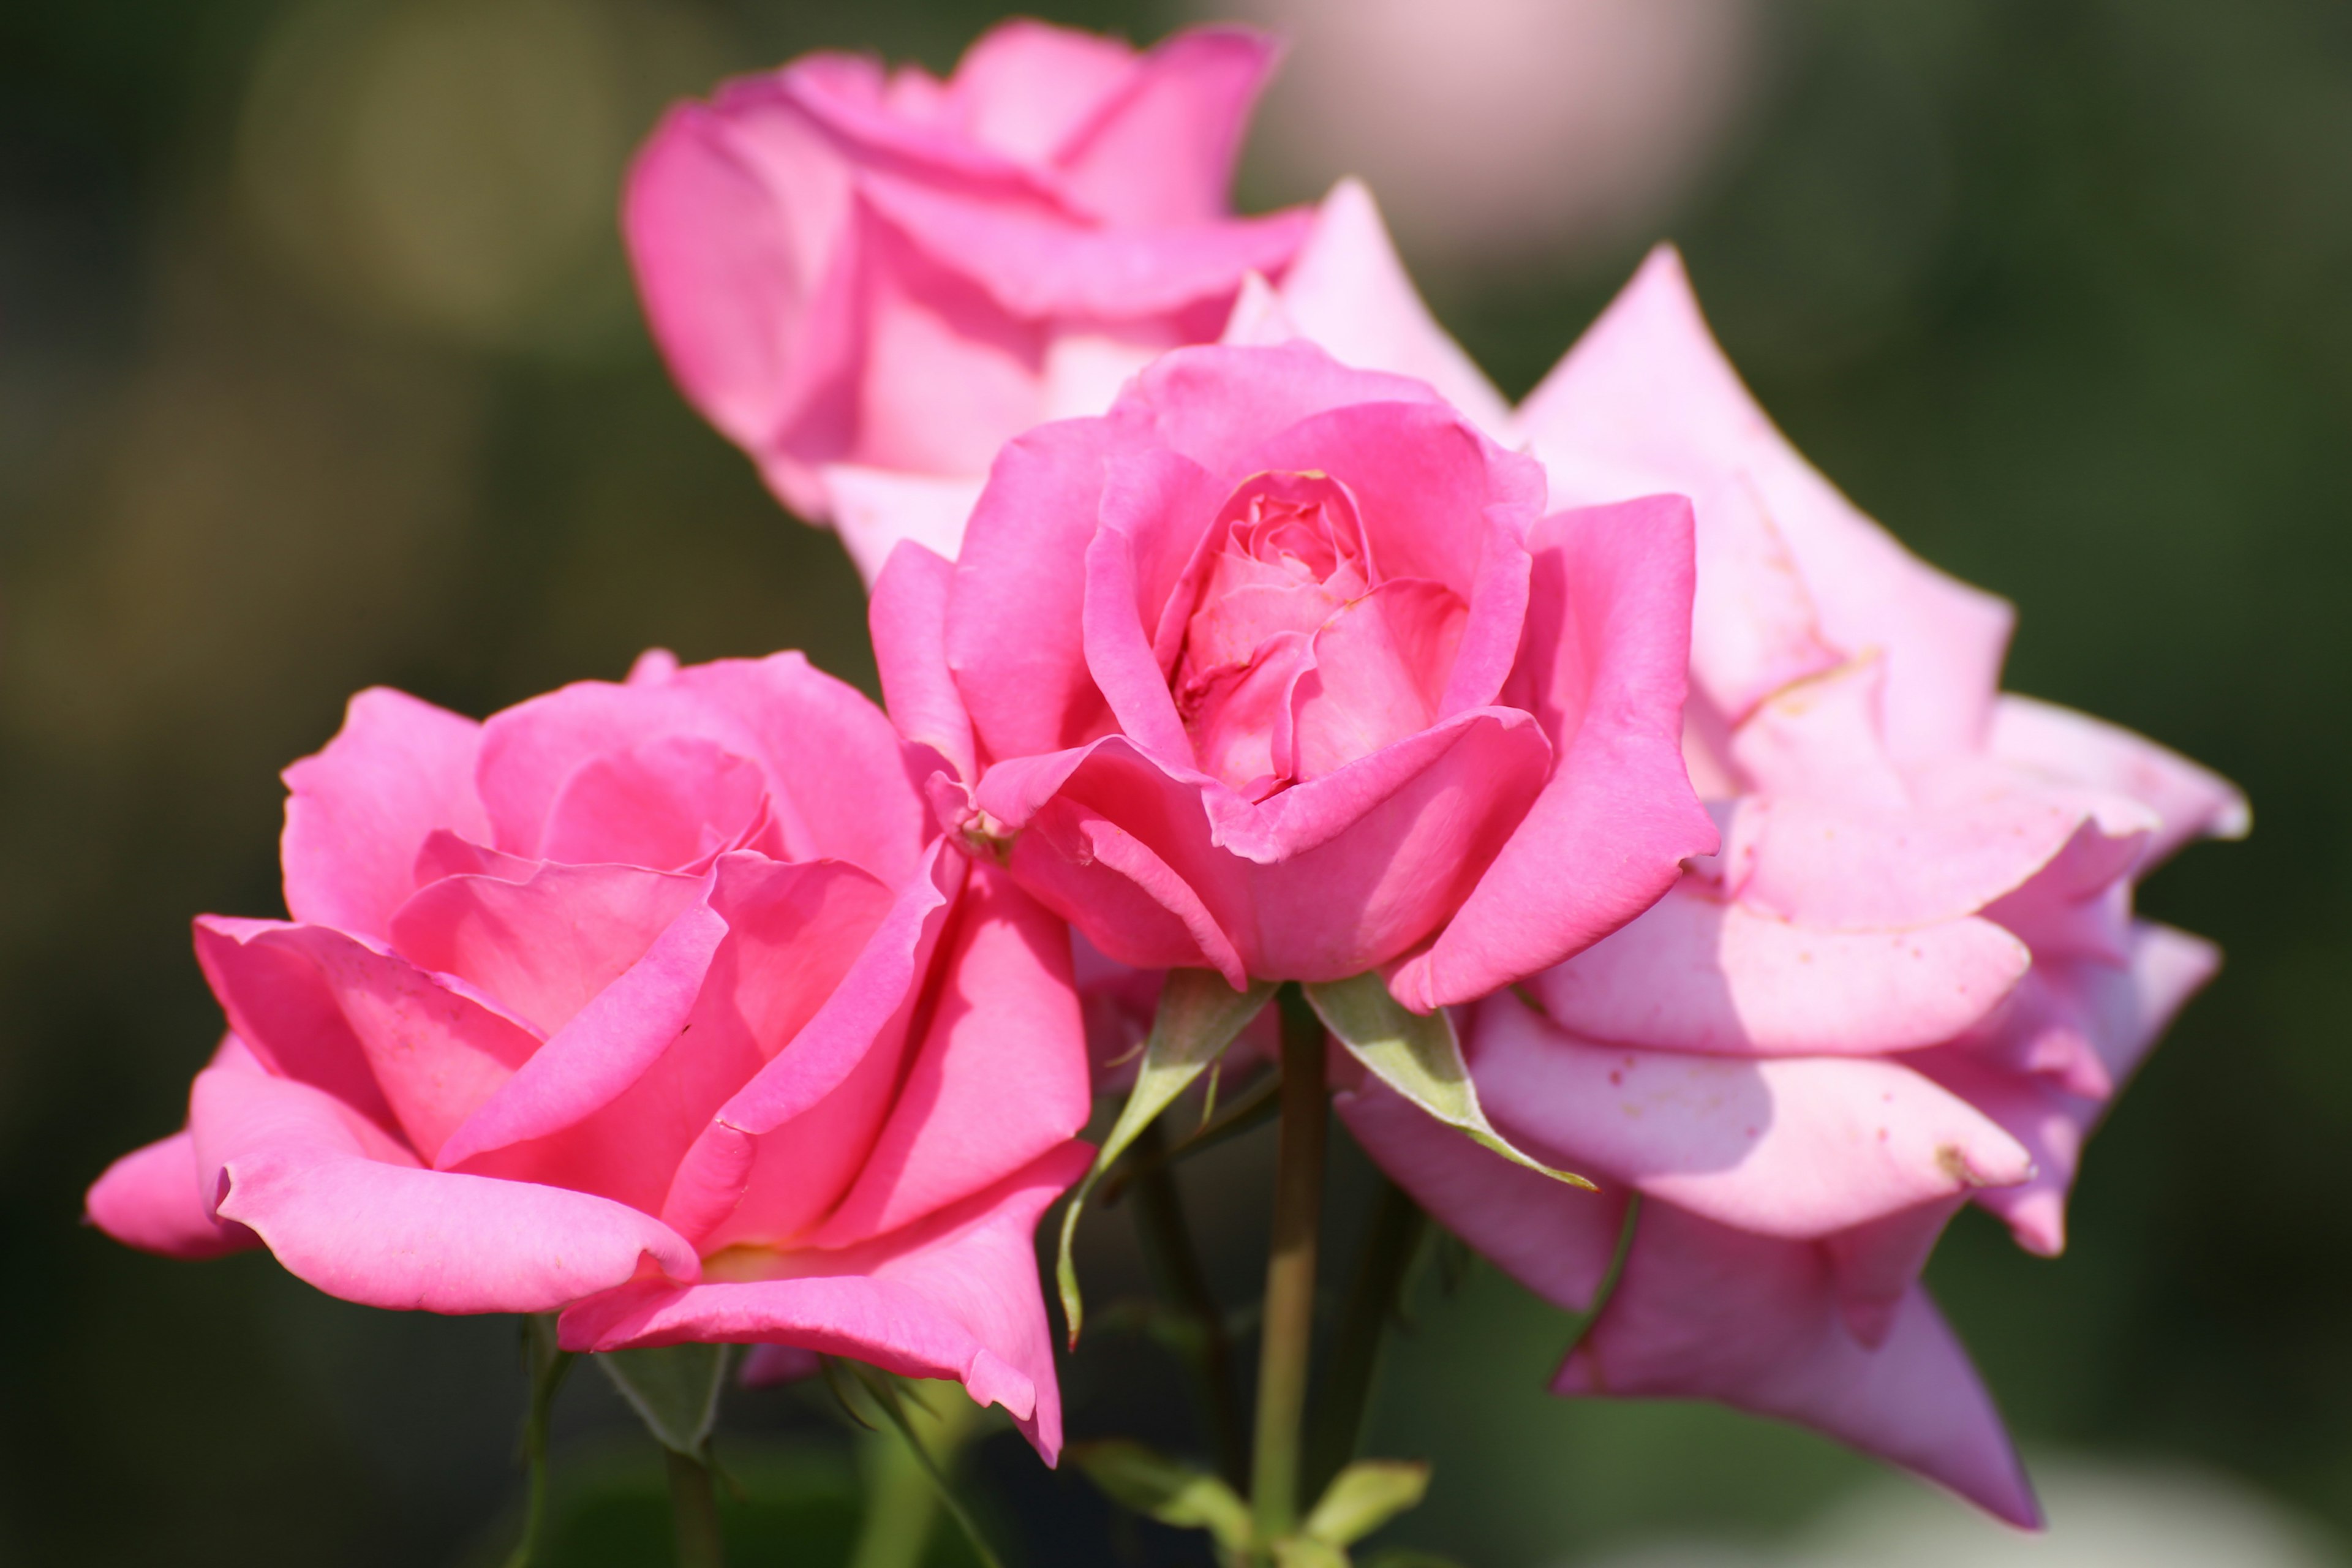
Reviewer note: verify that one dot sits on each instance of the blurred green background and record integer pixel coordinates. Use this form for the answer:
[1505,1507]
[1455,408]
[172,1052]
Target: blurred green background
[319,368]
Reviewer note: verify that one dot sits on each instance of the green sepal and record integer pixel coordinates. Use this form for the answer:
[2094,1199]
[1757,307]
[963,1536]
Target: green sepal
[1408,1557]
[1198,1017]
[1364,1496]
[1306,1552]
[1418,1056]
[1167,1489]
[674,1389]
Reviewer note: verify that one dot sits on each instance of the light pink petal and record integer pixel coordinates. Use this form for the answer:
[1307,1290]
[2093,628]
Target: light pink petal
[1855,868]
[1161,150]
[1348,292]
[1876,1265]
[1705,1312]
[546,947]
[1025,86]
[328,1197]
[1823,739]
[2075,748]
[876,510]
[2121,1012]
[1698,975]
[314,1003]
[152,1199]
[1035,264]
[1606,642]
[787,1144]
[1647,396]
[908,618]
[955,1295]
[1789,1146]
[358,812]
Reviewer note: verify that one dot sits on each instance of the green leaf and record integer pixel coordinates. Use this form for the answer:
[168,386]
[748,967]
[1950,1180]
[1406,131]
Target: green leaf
[1199,1017]
[1364,1496]
[1306,1552]
[1166,1489]
[1416,1056]
[674,1389]
[1407,1557]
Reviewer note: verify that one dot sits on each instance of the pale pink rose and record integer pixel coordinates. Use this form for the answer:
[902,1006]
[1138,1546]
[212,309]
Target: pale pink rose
[663,1004]
[1911,977]
[1285,670]
[871,280]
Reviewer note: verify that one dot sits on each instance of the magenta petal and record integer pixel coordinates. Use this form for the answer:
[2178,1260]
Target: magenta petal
[358,812]
[548,946]
[1787,1146]
[1113,887]
[667,804]
[603,1049]
[954,1295]
[1709,1312]
[306,999]
[786,1145]
[1024,86]
[1696,974]
[1609,625]
[1161,149]
[1223,406]
[321,1189]
[1371,678]
[999,1077]
[1013,636]
[908,618]
[152,1199]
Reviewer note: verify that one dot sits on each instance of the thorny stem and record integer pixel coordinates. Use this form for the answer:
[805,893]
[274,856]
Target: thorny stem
[1175,1264]
[1286,1336]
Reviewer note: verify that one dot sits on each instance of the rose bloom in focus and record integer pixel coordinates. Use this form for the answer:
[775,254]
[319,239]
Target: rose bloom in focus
[1910,979]
[1283,670]
[870,281]
[662,1004]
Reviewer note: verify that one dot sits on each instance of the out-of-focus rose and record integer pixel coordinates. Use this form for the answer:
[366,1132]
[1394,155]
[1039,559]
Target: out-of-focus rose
[1282,669]
[663,1004]
[1910,978]
[871,282]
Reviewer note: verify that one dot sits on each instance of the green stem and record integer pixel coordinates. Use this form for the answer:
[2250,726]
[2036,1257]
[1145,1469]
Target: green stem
[1286,1335]
[904,1482]
[1389,1245]
[1176,1272]
[694,1513]
[548,1365]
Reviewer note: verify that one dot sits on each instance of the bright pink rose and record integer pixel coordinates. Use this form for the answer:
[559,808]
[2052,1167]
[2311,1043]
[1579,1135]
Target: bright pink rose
[1283,670]
[872,281]
[663,1004]
[1911,978]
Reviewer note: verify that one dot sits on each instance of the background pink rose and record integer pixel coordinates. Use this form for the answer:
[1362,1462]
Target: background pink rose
[1280,669]
[871,282]
[1910,978]
[663,1004]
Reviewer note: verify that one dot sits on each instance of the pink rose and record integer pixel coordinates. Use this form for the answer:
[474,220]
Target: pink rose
[1283,670]
[1910,979]
[663,1004]
[871,283]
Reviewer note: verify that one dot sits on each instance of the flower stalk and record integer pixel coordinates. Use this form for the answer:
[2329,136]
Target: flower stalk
[1392,1242]
[1176,1272]
[694,1513]
[1286,1338]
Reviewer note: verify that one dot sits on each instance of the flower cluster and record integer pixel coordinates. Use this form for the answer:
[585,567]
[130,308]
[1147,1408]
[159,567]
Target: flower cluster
[1230,625]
